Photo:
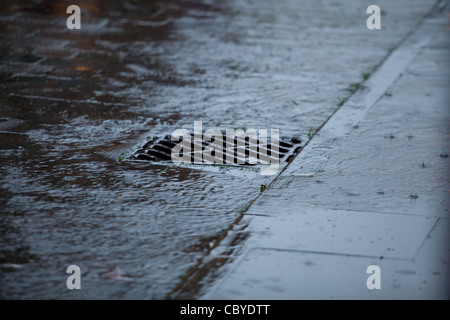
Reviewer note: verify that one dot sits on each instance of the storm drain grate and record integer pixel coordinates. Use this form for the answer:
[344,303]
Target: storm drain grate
[160,149]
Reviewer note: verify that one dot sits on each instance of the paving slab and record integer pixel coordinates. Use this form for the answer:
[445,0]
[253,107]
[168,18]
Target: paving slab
[317,229]
[282,274]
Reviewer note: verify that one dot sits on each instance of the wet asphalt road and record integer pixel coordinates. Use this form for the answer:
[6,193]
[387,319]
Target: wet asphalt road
[72,101]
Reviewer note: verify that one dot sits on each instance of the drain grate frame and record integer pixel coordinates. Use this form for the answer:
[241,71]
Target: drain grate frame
[159,149]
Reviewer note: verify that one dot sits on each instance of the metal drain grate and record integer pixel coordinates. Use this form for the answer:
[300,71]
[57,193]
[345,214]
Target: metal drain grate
[160,149]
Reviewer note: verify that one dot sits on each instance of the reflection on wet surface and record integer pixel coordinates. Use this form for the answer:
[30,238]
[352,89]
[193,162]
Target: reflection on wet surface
[70,99]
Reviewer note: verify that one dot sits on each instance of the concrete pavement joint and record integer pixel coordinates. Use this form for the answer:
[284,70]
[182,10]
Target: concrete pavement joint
[327,253]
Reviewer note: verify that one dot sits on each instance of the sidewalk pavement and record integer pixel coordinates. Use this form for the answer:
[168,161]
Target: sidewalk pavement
[371,188]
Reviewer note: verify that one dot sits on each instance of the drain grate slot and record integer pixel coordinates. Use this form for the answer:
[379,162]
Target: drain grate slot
[160,149]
